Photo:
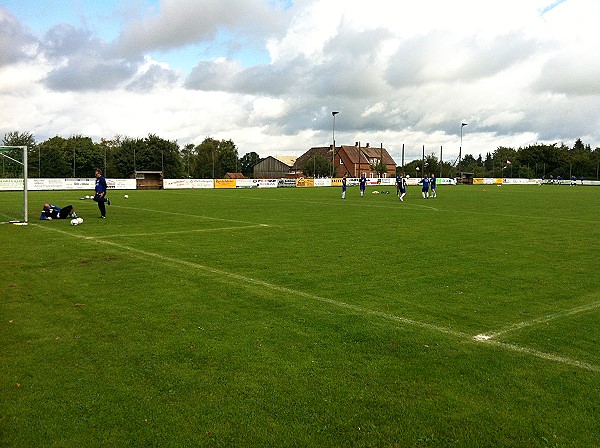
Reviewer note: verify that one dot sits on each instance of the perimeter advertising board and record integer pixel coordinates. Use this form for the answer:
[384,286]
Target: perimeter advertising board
[302,183]
[224,183]
[36,184]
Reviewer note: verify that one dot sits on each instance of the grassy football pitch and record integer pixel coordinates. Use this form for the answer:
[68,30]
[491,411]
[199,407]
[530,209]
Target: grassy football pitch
[291,317]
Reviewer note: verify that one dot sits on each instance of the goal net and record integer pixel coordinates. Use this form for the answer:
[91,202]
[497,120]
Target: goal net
[13,185]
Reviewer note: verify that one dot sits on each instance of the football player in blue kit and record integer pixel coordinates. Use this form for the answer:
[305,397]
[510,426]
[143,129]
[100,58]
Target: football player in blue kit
[425,189]
[401,186]
[432,185]
[363,185]
[100,193]
[51,211]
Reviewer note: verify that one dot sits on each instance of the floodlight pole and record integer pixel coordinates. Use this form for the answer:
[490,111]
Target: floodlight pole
[460,148]
[441,161]
[334,113]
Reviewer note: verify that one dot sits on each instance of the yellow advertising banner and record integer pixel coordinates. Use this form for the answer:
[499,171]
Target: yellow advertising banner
[305,182]
[487,181]
[336,182]
[224,183]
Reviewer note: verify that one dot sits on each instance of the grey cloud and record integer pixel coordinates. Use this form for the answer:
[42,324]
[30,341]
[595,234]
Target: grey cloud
[182,23]
[570,75]
[213,75]
[567,117]
[85,74]
[16,44]
[264,79]
[85,62]
[429,58]
[154,76]
[64,40]
[349,70]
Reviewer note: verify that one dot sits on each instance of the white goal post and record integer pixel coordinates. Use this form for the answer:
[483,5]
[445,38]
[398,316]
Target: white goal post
[6,154]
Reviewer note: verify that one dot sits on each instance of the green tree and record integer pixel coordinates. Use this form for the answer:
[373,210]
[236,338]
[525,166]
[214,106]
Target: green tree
[55,159]
[316,166]
[152,153]
[247,163]
[206,158]
[431,164]
[228,158]
[488,164]
[163,155]
[109,147]
[214,158]
[187,157]
[87,156]
[17,138]
[468,163]
[124,157]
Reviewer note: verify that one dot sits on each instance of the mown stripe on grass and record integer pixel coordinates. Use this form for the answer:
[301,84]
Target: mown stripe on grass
[221,274]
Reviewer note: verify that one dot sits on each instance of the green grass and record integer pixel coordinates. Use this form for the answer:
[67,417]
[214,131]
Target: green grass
[289,317]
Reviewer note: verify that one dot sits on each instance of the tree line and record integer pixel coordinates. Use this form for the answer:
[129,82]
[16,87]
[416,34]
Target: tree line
[79,157]
[530,162]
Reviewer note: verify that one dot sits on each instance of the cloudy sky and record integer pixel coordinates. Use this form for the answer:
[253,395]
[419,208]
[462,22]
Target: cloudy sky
[268,73]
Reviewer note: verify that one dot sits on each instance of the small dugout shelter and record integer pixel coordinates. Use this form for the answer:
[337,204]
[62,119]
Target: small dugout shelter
[465,178]
[148,180]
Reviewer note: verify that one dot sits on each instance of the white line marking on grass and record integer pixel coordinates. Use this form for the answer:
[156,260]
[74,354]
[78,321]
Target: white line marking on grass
[187,215]
[221,274]
[539,320]
[424,206]
[542,355]
[175,232]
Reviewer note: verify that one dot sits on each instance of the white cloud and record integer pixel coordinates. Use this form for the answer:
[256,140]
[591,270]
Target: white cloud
[518,71]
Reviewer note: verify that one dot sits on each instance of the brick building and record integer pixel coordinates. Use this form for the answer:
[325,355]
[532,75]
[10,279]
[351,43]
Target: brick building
[352,161]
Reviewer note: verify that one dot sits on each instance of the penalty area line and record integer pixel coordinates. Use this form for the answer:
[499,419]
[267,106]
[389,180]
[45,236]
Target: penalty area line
[177,232]
[542,355]
[187,215]
[539,320]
